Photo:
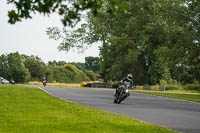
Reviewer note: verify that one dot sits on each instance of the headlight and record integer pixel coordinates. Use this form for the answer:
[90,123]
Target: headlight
[126,90]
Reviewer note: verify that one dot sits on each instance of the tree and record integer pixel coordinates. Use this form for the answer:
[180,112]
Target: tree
[79,65]
[52,63]
[36,67]
[12,67]
[92,63]
[61,63]
[49,74]
[69,10]
[160,69]
[140,42]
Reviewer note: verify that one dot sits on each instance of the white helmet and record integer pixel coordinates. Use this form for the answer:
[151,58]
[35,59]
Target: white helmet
[129,77]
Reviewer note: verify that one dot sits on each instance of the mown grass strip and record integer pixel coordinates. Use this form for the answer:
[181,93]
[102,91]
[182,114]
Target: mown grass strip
[30,110]
[178,94]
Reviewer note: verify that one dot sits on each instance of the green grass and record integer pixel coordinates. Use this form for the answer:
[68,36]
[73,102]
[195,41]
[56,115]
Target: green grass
[178,94]
[30,110]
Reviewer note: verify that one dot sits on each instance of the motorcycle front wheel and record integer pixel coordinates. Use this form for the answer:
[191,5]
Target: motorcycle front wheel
[118,101]
[115,100]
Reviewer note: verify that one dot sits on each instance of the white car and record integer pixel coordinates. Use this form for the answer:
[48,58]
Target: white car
[4,81]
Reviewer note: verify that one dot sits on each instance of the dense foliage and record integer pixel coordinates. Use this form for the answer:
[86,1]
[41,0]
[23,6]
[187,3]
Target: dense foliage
[23,68]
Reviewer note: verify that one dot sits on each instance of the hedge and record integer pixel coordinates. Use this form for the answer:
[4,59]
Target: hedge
[192,87]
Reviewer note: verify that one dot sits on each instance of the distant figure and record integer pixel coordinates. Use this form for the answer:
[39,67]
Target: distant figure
[44,82]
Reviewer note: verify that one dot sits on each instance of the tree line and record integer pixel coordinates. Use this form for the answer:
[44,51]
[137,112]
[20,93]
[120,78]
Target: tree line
[23,68]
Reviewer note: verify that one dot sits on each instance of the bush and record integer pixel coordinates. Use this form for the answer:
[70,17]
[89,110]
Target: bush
[172,87]
[163,82]
[192,87]
[196,82]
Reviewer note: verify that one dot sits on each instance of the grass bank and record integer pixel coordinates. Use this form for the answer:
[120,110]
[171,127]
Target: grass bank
[178,94]
[30,110]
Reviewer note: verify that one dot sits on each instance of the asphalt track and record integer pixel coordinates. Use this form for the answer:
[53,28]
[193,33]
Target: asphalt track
[175,114]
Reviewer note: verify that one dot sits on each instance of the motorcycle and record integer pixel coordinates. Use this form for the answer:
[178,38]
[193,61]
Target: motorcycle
[122,93]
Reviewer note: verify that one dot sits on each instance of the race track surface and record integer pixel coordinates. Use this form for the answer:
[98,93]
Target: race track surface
[179,115]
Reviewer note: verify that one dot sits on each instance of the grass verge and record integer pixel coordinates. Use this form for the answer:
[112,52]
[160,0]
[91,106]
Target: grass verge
[30,110]
[178,94]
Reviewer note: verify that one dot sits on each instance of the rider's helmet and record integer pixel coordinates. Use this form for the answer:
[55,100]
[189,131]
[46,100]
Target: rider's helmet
[129,77]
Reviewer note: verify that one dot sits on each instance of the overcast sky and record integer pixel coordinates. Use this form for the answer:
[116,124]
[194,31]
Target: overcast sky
[29,37]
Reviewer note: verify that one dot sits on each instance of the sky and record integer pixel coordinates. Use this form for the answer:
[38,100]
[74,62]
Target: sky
[29,37]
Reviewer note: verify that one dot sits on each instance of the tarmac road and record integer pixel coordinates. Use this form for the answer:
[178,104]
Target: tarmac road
[179,115]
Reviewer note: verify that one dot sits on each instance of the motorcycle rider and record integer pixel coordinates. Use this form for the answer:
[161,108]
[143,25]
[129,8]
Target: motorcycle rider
[44,82]
[129,79]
